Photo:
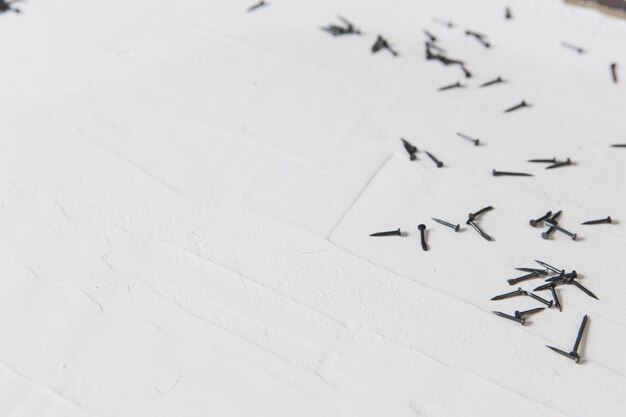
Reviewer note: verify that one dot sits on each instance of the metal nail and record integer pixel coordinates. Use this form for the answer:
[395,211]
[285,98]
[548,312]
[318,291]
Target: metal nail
[600,221]
[520,320]
[492,82]
[535,222]
[547,161]
[522,314]
[517,106]
[422,229]
[431,156]
[568,162]
[583,289]
[256,6]
[451,86]
[510,174]
[515,293]
[456,227]
[579,336]
[412,150]
[539,271]
[476,142]
[573,47]
[614,72]
[528,276]
[389,233]
[574,357]
[541,300]
[479,230]
[555,225]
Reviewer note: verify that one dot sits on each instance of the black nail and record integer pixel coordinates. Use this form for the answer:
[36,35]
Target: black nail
[483,210]
[572,47]
[550,267]
[438,162]
[507,14]
[619,145]
[381,43]
[600,221]
[476,142]
[466,71]
[560,164]
[550,161]
[520,320]
[430,36]
[539,271]
[547,233]
[256,6]
[451,86]
[536,222]
[556,215]
[436,47]
[579,336]
[614,72]
[553,224]
[479,230]
[422,229]
[522,314]
[515,293]
[528,276]
[456,227]
[447,24]
[510,174]
[563,275]
[536,297]
[583,289]
[574,357]
[389,233]
[517,106]
[492,82]
[555,297]
[479,37]
[412,150]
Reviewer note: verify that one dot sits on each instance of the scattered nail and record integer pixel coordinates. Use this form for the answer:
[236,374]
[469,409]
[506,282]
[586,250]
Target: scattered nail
[483,210]
[515,293]
[431,156]
[550,267]
[600,221]
[522,314]
[510,174]
[575,358]
[382,43]
[619,145]
[447,24]
[550,161]
[539,271]
[492,82]
[582,288]
[471,139]
[560,164]
[528,276]
[552,288]
[555,225]
[389,233]
[456,227]
[256,6]
[507,13]
[412,150]
[573,47]
[422,229]
[430,36]
[614,72]
[574,355]
[517,106]
[520,320]
[451,86]
[479,230]
[479,37]
[536,222]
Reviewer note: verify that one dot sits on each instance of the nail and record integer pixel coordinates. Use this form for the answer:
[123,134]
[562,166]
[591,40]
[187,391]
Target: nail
[562,275]
[539,271]
[583,289]
[438,48]
[556,283]
[412,150]
[600,221]
[579,336]
[575,358]
[555,225]
[556,215]
[536,297]
[448,24]
[483,210]
[507,14]
[535,222]
[422,229]
[432,37]
[464,136]
[550,267]
[479,230]
[530,275]
[547,233]
[517,106]
[256,6]
[451,86]
[466,71]
[492,82]
[614,72]
[552,161]
[575,48]
[560,164]
[515,293]
[510,174]
[619,145]
[520,320]
[456,227]
[557,303]
[389,233]
[521,314]
[479,37]
[438,162]
[382,43]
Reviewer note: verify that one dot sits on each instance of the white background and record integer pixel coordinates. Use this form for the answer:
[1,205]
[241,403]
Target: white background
[187,191]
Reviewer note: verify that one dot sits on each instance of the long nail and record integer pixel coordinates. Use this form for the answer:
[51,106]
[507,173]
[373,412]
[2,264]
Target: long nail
[546,161]
[422,229]
[535,222]
[451,86]
[510,174]
[431,156]
[600,221]
[521,314]
[614,72]
[579,336]
[476,142]
[389,233]
[619,145]
[573,47]
[550,267]
[456,227]
[555,297]
[583,289]
[541,300]
[515,293]
[568,162]
[575,358]
[492,82]
[531,275]
[554,224]
[520,320]
[517,106]
[256,6]
[539,271]
[479,230]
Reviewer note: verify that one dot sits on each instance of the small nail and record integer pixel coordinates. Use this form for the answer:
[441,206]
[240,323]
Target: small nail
[483,210]
[582,288]
[560,164]
[572,47]
[600,221]
[572,356]
[528,276]
[510,174]
[422,229]
[579,336]
[619,145]
[614,72]
[456,227]
[550,267]
[451,86]
[555,297]
[480,231]
[546,161]
[389,233]
[555,225]
[476,142]
[520,320]
[517,106]
[256,6]
[536,222]
[492,82]
[412,150]
[539,271]
[435,160]
[522,314]
[507,14]
[515,293]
